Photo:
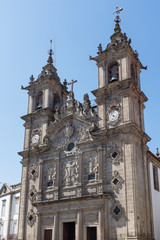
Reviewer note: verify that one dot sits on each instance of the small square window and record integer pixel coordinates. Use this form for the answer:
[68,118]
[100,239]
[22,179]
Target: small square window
[91,176]
[155,178]
[116,210]
[50,183]
[115,181]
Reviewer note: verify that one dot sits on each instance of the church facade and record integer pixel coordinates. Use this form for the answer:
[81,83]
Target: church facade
[85,170]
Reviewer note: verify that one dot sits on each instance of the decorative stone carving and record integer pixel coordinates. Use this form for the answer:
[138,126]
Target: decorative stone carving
[32,194]
[52,174]
[55,195]
[47,221]
[71,173]
[33,172]
[117,210]
[117,182]
[100,189]
[79,192]
[31,218]
[116,155]
[84,135]
[57,115]
[93,168]
[69,130]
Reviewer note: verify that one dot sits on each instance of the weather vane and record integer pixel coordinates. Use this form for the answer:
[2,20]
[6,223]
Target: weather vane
[117,18]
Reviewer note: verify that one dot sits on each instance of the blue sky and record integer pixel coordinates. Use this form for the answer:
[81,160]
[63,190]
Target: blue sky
[77,28]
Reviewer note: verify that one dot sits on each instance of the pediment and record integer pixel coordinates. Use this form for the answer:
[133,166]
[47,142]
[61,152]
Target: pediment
[5,189]
[67,130]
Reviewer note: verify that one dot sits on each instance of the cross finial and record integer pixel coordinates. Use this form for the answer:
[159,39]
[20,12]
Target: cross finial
[117,18]
[50,59]
[71,83]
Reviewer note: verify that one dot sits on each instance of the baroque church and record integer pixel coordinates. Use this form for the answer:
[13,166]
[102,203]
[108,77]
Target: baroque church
[85,168]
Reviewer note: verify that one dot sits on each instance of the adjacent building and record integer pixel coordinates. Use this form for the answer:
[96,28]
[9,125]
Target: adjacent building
[154,162]
[9,211]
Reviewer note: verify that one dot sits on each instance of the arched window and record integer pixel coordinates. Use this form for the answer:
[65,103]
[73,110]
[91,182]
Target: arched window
[39,100]
[113,73]
[56,100]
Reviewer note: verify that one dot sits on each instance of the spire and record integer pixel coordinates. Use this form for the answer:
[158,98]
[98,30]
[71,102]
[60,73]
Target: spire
[50,59]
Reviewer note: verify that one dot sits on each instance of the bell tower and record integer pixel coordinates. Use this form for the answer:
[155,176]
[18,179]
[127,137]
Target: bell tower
[46,96]
[120,105]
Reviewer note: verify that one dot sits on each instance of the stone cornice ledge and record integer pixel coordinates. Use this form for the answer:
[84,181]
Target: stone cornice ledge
[84,198]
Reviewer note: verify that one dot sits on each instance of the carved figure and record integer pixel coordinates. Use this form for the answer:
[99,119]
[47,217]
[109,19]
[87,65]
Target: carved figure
[71,173]
[52,174]
[93,166]
[69,130]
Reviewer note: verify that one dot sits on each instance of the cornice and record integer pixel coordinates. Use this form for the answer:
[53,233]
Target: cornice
[43,112]
[124,85]
[83,198]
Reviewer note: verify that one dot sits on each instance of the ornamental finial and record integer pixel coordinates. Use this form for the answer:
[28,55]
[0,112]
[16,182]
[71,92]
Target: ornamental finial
[117,18]
[157,152]
[50,59]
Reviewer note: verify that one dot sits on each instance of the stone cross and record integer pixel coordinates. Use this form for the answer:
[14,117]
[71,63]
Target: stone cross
[71,83]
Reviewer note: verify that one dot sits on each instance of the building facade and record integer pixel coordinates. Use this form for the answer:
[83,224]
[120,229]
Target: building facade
[154,162]
[85,171]
[9,211]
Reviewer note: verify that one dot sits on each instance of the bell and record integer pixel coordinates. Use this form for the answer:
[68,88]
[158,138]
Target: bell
[114,77]
[39,105]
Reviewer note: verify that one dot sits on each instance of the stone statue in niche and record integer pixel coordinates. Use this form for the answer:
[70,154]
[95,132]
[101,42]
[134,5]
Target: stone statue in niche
[93,167]
[86,104]
[57,115]
[52,175]
[71,173]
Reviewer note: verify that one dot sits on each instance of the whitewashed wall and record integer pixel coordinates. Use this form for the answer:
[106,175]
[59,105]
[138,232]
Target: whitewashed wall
[5,218]
[156,204]
[14,214]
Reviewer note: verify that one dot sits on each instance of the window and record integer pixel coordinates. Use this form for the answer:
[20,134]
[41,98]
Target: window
[16,207]
[3,208]
[39,100]
[91,233]
[155,178]
[1,228]
[70,146]
[50,184]
[91,176]
[14,231]
[113,74]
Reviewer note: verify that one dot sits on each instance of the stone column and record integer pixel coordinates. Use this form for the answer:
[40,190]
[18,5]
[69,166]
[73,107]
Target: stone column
[100,159]
[56,227]
[46,98]
[30,103]
[79,229]
[80,168]
[40,182]
[101,224]
[24,198]
[38,226]
[44,128]
[101,76]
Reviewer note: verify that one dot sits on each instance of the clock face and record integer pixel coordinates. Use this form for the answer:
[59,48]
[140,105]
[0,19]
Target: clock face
[113,115]
[35,138]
